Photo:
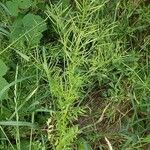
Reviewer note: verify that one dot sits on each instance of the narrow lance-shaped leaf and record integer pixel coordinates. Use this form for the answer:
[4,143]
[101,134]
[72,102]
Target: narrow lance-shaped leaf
[3,82]
[3,68]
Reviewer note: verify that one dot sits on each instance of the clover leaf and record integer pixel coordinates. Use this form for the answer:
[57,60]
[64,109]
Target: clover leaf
[31,26]
[24,4]
[17,30]
[14,6]
[29,22]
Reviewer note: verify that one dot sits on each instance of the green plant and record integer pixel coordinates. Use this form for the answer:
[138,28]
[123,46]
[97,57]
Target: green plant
[3,82]
[30,28]
[15,6]
[78,79]
[27,27]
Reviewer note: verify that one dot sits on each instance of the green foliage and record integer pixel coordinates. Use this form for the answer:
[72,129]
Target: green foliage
[29,21]
[14,6]
[30,27]
[27,26]
[66,3]
[3,68]
[83,145]
[3,82]
[85,85]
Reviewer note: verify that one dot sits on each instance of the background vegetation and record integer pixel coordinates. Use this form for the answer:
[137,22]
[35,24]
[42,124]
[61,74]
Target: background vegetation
[74,74]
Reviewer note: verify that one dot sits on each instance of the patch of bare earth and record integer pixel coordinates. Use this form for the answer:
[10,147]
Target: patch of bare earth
[97,119]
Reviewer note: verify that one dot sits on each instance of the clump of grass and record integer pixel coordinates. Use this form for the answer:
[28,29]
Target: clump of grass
[86,49]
